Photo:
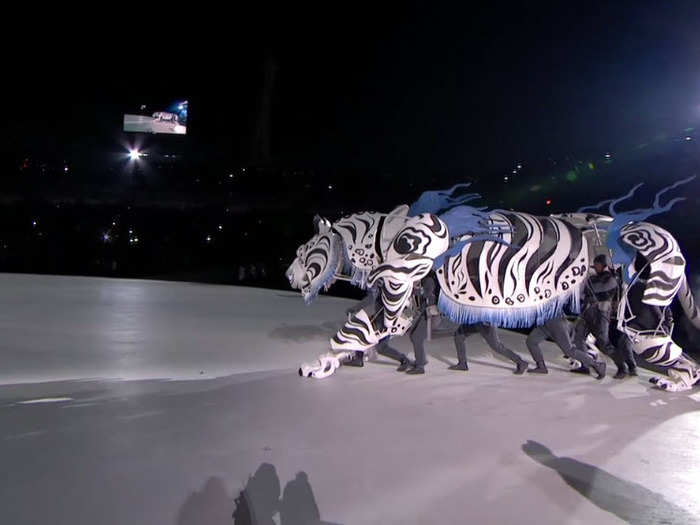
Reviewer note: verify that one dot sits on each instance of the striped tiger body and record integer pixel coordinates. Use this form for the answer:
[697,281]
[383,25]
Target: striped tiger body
[522,283]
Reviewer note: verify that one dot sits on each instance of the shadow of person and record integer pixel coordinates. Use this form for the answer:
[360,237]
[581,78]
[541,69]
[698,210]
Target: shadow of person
[258,502]
[629,501]
[210,506]
[299,504]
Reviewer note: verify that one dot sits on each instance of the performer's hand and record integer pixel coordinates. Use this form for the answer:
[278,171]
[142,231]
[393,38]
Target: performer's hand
[432,310]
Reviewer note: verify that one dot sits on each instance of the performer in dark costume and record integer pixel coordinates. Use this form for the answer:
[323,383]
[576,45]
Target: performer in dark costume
[595,319]
[429,290]
[425,296]
[624,358]
[559,330]
[490,335]
[597,307]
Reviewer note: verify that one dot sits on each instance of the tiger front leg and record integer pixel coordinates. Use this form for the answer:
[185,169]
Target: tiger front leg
[398,278]
[325,365]
[349,347]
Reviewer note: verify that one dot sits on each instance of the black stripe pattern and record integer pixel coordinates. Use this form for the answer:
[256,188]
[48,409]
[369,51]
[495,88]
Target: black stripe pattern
[546,258]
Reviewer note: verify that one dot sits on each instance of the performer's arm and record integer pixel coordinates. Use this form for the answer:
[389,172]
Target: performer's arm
[429,293]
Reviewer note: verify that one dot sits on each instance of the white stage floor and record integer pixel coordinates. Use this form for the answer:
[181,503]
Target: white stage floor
[145,402]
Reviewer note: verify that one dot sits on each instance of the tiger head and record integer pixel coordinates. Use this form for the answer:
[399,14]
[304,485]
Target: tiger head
[318,261]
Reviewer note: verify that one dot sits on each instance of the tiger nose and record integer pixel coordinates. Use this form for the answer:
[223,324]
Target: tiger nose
[290,274]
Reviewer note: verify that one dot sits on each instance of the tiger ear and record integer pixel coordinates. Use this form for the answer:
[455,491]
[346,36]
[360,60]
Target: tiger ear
[321,225]
[400,211]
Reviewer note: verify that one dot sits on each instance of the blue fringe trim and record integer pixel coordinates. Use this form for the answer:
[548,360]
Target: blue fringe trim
[359,278]
[347,265]
[513,317]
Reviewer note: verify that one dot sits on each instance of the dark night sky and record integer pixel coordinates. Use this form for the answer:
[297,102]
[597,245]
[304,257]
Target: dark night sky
[373,104]
[401,87]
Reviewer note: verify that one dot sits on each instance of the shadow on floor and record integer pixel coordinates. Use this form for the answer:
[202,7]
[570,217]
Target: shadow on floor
[627,500]
[210,506]
[257,504]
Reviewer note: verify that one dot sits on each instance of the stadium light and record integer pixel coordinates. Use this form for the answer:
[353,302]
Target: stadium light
[134,154]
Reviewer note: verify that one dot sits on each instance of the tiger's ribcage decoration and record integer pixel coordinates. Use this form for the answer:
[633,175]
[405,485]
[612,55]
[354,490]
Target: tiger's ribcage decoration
[658,275]
[371,239]
[523,282]
[361,234]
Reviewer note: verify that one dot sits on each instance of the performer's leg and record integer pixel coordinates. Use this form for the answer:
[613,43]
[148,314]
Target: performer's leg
[624,358]
[461,347]
[559,330]
[490,334]
[630,360]
[536,336]
[599,324]
[581,332]
[602,337]
[355,359]
[418,335]
[384,349]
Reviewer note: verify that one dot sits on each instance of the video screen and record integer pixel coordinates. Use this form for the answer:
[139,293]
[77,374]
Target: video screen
[170,118]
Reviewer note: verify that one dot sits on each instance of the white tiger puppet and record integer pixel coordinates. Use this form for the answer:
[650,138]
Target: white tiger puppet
[505,268]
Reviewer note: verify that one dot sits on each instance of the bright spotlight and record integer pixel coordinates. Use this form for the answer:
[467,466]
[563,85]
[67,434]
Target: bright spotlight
[134,154]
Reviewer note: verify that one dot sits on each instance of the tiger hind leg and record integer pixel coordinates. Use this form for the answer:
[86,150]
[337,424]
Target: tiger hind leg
[682,376]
